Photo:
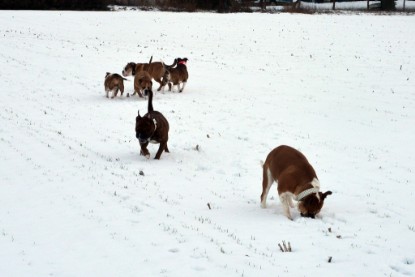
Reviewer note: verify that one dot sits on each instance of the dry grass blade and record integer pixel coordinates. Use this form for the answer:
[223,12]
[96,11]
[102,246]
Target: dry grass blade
[284,247]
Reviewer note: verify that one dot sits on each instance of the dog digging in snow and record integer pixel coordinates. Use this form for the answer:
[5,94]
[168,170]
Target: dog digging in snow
[296,180]
[153,127]
[114,83]
[176,75]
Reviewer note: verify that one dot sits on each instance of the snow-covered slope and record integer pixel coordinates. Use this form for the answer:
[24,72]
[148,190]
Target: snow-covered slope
[73,202]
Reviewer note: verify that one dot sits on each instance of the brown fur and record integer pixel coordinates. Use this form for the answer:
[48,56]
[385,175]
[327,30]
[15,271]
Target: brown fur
[114,82]
[142,81]
[152,127]
[155,69]
[294,174]
[176,75]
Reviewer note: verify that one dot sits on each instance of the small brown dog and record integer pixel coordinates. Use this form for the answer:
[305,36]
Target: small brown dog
[176,75]
[156,70]
[142,82]
[114,82]
[296,179]
[152,127]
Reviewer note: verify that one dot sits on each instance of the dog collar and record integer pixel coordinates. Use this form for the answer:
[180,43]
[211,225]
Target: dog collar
[305,193]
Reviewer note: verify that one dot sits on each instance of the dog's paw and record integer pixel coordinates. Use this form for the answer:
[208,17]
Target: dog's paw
[147,156]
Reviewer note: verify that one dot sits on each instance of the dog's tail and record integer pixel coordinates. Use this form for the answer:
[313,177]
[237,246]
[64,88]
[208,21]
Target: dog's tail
[151,59]
[150,101]
[168,67]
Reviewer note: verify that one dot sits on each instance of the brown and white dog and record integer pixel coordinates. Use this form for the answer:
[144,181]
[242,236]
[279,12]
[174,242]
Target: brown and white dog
[296,180]
[156,70]
[176,75]
[142,82]
[114,83]
[152,127]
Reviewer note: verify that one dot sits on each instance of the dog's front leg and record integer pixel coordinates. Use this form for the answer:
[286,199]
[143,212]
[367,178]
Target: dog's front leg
[162,147]
[285,204]
[144,150]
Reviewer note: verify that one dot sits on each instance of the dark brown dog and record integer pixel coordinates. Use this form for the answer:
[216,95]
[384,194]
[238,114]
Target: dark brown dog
[152,127]
[156,70]
[114,82]
[296,179]
[176,75]
[142,82]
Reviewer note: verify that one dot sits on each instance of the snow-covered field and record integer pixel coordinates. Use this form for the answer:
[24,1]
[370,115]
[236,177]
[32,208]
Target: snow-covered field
[341,88]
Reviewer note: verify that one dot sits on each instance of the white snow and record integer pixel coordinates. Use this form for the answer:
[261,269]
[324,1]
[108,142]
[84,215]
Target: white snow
[340,88]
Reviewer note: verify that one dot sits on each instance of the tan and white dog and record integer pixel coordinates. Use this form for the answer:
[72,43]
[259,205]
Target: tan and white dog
[114,83]
[296,180]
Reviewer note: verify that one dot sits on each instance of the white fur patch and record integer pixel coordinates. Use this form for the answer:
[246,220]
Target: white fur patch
[287,202]
[315,183]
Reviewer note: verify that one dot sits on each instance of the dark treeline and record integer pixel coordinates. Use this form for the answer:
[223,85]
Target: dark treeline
[179,5]
[174,5]
[216,5]
[54,4]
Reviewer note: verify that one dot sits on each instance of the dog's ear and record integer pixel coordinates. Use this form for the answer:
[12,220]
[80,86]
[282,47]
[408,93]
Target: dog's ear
[326,194]
[138,114]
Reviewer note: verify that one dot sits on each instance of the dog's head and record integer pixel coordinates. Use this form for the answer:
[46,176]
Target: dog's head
[311,205]
[182,61]
[144,128]
[129,69]
[146,85]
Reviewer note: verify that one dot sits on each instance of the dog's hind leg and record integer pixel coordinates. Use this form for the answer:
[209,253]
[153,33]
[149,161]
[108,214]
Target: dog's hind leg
[160,82]
[122,88]
[183,85]
[166,149]
[267,181]
[115,91]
